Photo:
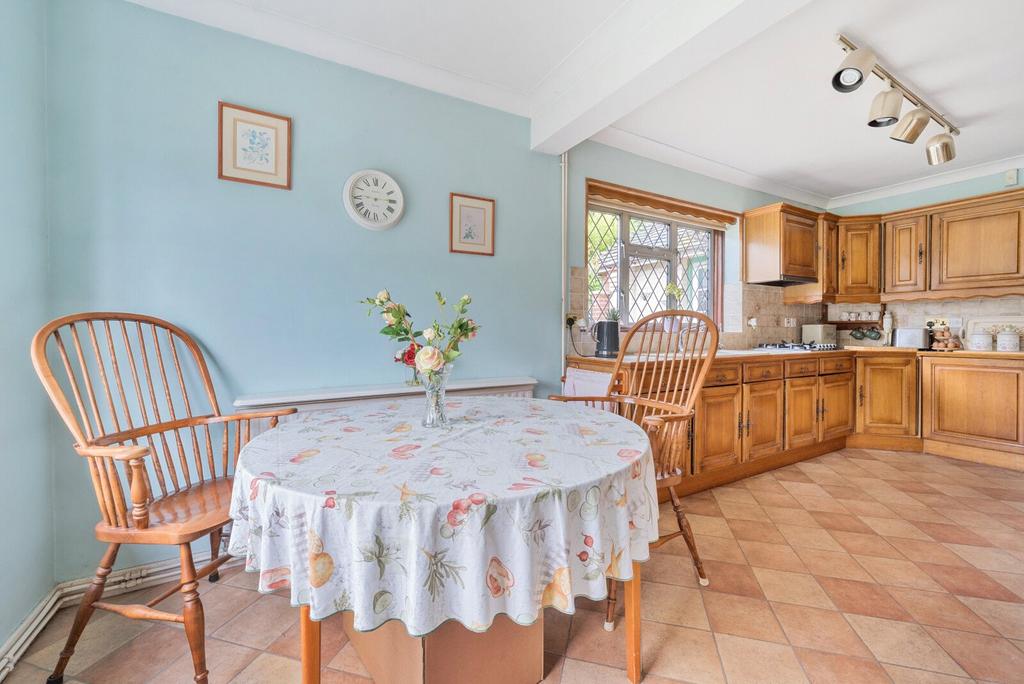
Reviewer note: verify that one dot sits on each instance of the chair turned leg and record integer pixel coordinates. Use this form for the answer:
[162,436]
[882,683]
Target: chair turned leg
[215,551]
[195,622]
[85,610]
[684,527]
[609,615]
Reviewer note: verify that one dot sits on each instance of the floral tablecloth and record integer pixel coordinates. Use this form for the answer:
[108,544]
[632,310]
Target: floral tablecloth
[523,504]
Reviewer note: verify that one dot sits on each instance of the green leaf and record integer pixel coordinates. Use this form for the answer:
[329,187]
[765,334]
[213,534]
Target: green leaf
[488,514]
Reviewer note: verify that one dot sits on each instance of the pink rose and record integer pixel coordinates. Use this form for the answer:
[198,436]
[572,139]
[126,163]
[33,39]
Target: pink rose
[429,359]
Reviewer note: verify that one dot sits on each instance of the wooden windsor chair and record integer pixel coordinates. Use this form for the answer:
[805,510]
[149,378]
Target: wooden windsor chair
[672,352]
[140,432]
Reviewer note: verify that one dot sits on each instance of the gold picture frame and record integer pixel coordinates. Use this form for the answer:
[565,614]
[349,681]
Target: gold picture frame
[470,224]
[254,146]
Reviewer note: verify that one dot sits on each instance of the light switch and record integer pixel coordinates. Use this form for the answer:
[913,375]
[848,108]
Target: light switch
[1010,178]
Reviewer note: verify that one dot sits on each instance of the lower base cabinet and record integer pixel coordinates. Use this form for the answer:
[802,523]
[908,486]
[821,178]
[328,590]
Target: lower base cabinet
[887,395]
[818,409]
[718,428]
[838,416]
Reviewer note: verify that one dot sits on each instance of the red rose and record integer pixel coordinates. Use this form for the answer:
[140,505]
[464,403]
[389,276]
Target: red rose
[409,359]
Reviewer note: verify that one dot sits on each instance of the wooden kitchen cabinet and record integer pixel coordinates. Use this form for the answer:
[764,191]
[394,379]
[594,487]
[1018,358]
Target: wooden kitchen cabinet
[974,402]
[825,288]
[979,245]
[837,417]
[887,394]
[763,412]
[780,244]
[905,254]
[802,406]
[860,270]
[718,428]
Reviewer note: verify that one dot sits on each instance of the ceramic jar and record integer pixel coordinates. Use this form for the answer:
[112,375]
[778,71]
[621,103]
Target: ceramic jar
[1008,340]
[980,341]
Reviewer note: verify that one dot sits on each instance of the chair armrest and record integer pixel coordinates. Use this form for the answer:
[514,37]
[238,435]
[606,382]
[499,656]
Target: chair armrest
[254,415]
[562,397]
[134,456]
[657,422]
[118,453]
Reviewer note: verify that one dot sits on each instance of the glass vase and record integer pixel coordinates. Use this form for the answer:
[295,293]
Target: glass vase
[434,383]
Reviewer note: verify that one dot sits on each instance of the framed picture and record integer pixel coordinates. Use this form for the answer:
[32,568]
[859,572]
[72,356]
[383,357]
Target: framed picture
[471,229]
[254,147]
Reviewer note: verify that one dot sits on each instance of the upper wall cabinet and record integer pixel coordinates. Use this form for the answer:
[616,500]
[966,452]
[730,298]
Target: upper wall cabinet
[860,249]
[967,248]
[825,288]
[780,245]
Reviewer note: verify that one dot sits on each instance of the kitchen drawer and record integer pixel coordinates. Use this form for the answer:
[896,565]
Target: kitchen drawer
[796,368]
[723,374]
[764,370]
[836,364]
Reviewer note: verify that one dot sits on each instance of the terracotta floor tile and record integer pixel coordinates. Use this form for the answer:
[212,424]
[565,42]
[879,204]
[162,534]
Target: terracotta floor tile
[847,493]
[903,643]
[832,668]
[695,506]
[865,544]
[742,616]
[673,605]
[1004,540]
[940,610]
[987,558]
[679,653]
[918,513]
[790,474]
[582,672]
[223,602]
[755,662]
[926,552]
[1007,618]
[332,638]
[140,659]
[893,527]
[968,581]
[348,660]
[328,676]
[1012,581]
[841,521]
[735,493]
[709,526]
[774,556]
[260,624]
[740,511]
[909,675]
[952,534]
[553,664]
[833,564]
[974,520]
[105,633]
[809,537]
[918,487]
[791,587]
[589,641]
[269,669]
[670,569]
[223,659]
[790,516]
[756,531]
[822,504]
[992,659]
[871,508]
[717,548]
[732,578]
[776,500]
[897,573]
[818,629]
[863,598]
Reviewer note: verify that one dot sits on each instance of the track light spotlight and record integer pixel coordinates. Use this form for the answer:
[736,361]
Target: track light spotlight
[940,148]
[854,70]
[885,108]
[911,125]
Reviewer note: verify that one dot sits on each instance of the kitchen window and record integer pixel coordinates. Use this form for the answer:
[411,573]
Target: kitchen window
[638,264]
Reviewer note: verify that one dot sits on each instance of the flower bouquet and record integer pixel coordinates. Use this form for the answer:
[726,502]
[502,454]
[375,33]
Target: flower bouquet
[432,358]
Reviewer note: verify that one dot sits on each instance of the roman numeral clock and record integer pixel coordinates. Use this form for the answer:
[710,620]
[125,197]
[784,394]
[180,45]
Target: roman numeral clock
[373,199]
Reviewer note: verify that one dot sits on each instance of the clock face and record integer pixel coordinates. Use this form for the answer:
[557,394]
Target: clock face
[373,199]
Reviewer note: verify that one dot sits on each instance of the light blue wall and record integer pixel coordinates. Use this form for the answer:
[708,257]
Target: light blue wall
[600,162]
[25,491]
[942,193]
[268,279]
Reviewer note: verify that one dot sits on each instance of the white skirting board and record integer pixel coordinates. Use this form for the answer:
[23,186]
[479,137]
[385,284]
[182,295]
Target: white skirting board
[71,592]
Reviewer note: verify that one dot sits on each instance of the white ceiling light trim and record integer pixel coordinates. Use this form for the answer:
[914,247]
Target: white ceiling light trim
[286,32]
[667,154]
[932,181]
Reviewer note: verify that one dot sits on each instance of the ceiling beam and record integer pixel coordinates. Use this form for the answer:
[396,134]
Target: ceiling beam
[643,49]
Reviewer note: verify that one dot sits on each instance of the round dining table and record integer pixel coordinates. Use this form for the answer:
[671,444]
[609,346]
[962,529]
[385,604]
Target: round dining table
[519,505]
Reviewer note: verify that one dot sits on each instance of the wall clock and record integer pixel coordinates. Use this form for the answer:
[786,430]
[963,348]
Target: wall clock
[373,199]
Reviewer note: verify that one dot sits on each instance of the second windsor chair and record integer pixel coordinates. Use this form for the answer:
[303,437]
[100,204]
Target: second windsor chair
[137,428]
[672,352]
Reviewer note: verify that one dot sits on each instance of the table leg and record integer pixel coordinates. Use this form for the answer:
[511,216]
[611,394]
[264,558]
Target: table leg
[309,638]
[632,609]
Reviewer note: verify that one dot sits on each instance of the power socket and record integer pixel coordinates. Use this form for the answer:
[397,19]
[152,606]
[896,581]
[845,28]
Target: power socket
[788,322]
[1010,178]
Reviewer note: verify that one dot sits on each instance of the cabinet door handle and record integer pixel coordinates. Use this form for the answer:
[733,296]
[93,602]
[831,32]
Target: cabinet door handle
[739,424]
[860,395]
[920,253]
[748,423]
[817,410]
[842,260]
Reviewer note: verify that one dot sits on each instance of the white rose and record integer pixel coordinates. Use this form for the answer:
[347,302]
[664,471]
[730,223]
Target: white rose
[429,334]
[383,296]
[429,359]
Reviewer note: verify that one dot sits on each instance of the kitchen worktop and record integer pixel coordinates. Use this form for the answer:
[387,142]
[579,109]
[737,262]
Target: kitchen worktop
[723,354]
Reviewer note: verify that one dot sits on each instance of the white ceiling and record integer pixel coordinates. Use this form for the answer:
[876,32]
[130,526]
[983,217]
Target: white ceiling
[736,89]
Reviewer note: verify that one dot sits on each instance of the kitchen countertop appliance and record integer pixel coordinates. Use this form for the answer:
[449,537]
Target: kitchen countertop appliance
[819,333]
[911,338]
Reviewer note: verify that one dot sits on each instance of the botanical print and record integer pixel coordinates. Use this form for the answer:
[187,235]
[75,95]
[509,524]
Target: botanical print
[471,224]
[522,504]
[255,147]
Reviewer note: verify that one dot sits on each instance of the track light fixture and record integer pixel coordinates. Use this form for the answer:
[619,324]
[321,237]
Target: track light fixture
[885,108]
[911,126]
[940,148]
[853,70]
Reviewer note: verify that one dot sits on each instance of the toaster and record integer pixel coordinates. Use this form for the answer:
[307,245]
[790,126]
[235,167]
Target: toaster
[912,338]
